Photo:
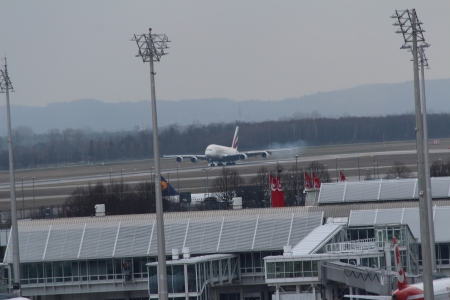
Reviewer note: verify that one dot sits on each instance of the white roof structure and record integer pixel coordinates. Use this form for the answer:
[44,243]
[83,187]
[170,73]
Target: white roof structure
[316,239]
[194,260]
[410,216]
[380,190]
[204,232]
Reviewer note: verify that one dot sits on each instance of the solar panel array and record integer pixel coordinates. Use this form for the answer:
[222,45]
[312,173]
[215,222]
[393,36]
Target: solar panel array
[125,236]
[380,190]
[410,216]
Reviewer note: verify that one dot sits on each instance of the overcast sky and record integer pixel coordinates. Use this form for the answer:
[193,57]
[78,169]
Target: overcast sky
[60,51]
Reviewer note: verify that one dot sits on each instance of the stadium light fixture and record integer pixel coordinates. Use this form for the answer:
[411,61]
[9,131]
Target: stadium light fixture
[5,87]
[410,27]
[151,48]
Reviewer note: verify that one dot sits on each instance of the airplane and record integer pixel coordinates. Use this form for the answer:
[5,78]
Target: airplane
[407,291]
[218,155]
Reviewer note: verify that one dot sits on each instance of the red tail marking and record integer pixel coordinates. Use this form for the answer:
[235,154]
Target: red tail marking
[401,278]
[316,182]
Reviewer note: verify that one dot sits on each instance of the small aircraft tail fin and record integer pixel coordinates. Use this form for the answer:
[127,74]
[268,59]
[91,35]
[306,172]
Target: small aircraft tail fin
[401,277]
[235,138]
[166,188]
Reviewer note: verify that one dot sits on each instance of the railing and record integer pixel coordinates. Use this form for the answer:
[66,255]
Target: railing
[352,246]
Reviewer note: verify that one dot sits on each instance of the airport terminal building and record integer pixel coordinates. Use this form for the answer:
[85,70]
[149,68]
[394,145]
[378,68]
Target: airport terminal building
[337,246]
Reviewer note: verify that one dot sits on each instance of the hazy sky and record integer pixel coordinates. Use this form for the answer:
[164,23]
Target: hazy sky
[60,51]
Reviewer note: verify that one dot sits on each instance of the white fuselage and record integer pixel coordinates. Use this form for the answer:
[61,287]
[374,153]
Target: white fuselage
[217,152]
[441,288]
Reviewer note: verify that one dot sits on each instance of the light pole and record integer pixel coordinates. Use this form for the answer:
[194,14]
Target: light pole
[5,86]
[23,202]
[206,182]
[410,28]
[178,179]
[337,175]
[110,178]
[374,174]
[296,180]
[359,171]
[34,203]
[423,64]
[151,47]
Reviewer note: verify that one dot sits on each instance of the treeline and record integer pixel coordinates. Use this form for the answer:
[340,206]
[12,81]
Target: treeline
[74,146]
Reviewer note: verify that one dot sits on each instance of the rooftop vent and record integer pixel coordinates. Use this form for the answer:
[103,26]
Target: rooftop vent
[100,210]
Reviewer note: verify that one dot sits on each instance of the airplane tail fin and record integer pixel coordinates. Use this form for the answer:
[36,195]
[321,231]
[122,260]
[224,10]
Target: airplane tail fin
[167,189]
[235,138]
[401,277]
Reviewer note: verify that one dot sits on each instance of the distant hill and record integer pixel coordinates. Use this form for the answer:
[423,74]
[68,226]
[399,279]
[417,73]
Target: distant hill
[365,100]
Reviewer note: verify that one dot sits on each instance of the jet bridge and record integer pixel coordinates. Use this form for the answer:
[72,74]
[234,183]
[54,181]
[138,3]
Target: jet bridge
[191,278]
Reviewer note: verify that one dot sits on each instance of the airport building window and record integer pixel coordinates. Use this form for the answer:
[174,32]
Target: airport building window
[79,271]
[292,269]
[253,262]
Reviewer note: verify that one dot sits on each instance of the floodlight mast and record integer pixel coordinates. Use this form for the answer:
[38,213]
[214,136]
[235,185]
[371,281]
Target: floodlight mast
[412,33]
[5,86]
[423,64]
[151,47]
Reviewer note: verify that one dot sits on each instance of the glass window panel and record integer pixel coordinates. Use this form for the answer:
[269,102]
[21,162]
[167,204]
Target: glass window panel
[307,269]
[127,268]
[83,270]
[191,278]
[101,269]
[118,268]
[67,269]
[279,269]
[48,271]
[270,270]
[315,271]
[153,279]
[258,262]
[33,273]
[110,268]
[178,278]
[93,270]
[75,272]
[298,271]
[289,269]
[58,271]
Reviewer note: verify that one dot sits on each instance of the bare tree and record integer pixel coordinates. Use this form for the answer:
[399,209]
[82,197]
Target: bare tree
[320,170]
[77,136]
[54,135]
[398,170]
[261,182]
[225,185]
[66,136]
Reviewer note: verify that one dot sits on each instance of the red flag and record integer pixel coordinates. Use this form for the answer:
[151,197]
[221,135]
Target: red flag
[342,176]
[274,190]
[316,182]
[307,181]
[280,202]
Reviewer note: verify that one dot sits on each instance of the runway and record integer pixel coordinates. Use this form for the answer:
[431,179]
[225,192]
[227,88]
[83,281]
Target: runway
[53,185]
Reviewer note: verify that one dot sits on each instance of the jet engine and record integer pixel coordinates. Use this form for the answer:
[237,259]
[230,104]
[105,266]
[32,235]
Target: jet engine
[265,154]
[194,159]
[179,159]
[243,156]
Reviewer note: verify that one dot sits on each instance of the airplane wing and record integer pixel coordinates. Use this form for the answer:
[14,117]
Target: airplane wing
[193,158]
[265,153]
[368,297]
